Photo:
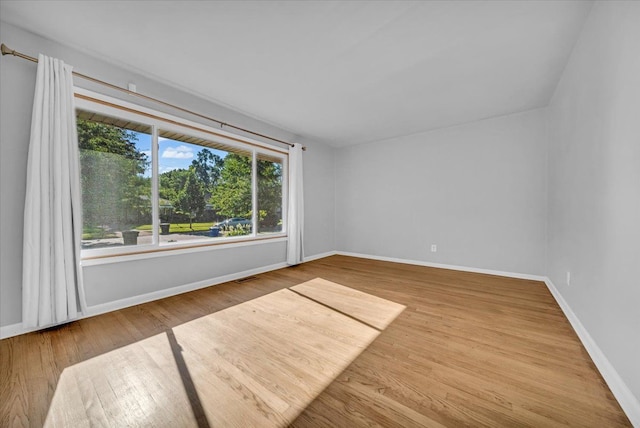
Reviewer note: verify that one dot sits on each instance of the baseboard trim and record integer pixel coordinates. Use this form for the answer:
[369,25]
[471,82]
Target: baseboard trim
[11,330]
[17,329]
[161,294]
[320,256]
[618,387]
[445,266]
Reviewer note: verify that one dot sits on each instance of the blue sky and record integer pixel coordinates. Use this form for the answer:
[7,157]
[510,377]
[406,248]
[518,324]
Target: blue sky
[173,154]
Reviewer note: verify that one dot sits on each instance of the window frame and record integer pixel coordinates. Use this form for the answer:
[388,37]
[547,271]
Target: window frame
[103,104]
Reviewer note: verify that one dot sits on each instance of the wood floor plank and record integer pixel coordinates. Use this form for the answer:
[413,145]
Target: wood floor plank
[468,350]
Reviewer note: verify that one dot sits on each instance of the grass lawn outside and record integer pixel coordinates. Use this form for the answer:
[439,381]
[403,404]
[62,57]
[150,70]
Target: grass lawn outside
[180,227]
[96,233]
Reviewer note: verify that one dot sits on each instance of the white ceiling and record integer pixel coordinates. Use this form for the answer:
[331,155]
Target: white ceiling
[339,72]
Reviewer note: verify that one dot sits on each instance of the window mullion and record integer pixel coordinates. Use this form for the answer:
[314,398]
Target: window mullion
[285,194]
[155,197]
[254,193]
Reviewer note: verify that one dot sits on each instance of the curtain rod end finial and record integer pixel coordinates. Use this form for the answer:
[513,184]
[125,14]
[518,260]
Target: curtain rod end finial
[5,50]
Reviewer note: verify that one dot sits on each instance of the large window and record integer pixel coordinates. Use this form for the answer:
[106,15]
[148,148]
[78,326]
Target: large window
[153,181]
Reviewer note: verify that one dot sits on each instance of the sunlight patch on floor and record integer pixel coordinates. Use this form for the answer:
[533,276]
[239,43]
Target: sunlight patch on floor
[259,363]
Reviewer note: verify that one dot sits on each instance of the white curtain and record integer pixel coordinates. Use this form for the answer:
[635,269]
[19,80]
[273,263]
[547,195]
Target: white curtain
[52,290]
[295,218]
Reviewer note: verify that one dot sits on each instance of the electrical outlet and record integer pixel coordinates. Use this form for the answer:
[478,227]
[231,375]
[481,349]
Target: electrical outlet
[568,278]
[434,248]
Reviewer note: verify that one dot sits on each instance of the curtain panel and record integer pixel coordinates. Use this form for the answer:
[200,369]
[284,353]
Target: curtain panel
[295,218]
[52,288]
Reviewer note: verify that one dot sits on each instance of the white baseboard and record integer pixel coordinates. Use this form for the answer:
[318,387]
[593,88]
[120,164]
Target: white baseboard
[320,256]
[17,329]
[161,294]
[618,387]
[445,266]
[14,330]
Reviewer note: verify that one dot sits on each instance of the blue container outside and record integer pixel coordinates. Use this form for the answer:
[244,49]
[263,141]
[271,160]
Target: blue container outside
[214,231]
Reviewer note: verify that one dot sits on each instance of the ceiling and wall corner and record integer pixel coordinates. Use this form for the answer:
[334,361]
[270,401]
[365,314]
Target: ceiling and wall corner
[337,72]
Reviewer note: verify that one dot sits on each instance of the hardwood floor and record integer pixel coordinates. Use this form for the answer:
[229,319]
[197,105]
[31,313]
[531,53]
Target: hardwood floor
[468,350]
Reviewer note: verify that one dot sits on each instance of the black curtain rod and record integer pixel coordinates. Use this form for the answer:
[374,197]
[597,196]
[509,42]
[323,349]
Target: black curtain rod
[6,51]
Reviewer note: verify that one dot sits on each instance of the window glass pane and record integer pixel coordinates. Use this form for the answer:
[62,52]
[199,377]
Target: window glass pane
[115,160]
[269,194]
[205,189]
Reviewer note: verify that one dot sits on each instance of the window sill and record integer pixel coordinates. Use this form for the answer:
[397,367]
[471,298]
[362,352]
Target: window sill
[174,250]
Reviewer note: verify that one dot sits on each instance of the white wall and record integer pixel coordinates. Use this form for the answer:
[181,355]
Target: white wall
[594,184]
[107,283]
[478,191]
